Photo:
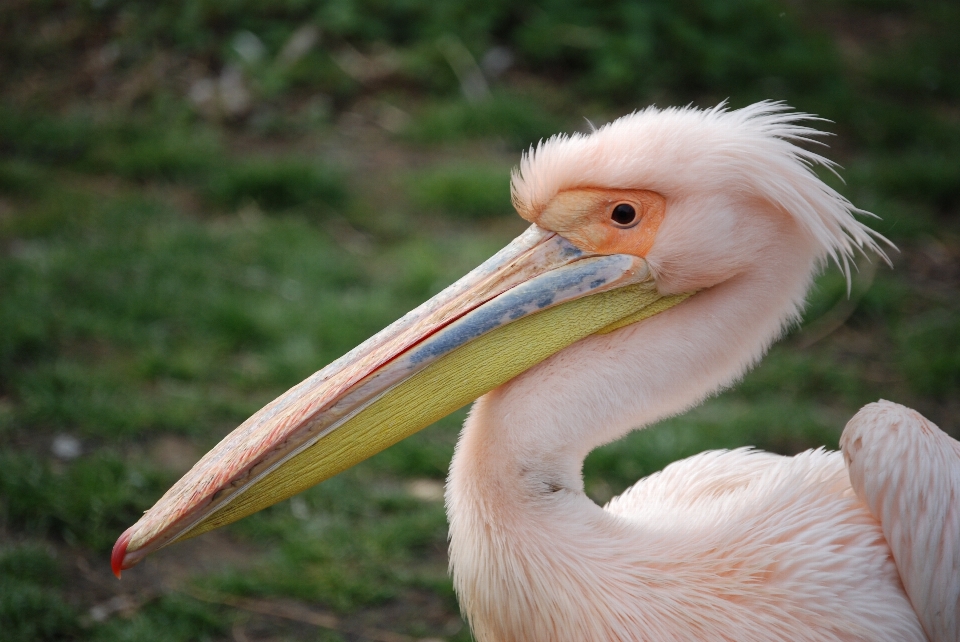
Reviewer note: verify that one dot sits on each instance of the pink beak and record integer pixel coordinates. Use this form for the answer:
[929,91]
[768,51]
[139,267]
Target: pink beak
[537,271]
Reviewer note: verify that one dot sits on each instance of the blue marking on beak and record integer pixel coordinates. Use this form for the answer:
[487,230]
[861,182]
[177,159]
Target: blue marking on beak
[568,282]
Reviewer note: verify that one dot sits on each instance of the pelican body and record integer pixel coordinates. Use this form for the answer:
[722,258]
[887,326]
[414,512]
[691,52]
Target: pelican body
[667,251]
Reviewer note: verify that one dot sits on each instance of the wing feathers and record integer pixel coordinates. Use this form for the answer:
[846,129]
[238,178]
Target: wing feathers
[907,471]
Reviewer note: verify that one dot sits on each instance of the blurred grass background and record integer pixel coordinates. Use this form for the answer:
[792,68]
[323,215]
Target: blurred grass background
[202,202]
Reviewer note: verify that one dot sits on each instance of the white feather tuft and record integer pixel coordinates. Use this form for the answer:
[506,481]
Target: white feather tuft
[676,151]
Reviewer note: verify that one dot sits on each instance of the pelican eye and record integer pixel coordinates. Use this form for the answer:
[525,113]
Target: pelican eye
[624,215]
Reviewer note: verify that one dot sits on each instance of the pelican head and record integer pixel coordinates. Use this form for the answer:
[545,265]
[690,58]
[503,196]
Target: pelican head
[658,208]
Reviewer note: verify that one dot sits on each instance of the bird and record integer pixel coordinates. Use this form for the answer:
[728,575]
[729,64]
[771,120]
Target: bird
[667,251]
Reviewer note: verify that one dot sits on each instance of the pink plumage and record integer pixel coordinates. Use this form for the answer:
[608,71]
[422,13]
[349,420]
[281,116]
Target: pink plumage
[907,471]
[739,546]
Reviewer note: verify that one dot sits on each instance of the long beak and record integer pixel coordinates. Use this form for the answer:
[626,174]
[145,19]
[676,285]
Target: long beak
[532,299]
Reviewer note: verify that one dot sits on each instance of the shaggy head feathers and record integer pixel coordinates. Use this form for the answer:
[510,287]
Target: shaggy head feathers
[681,151]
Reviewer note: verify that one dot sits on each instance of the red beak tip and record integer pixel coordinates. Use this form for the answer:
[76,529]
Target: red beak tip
[119,552]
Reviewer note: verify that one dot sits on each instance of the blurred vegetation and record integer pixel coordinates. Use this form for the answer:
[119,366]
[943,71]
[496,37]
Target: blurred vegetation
[31,606]
[203,202]
[465,191]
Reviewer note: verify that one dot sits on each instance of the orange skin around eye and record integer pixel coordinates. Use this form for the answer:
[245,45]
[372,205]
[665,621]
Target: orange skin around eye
[583,216]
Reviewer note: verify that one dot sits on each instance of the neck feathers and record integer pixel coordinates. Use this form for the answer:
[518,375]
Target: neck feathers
[518,514]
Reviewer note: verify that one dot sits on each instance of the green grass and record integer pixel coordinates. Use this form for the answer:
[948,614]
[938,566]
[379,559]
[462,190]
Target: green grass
[778,422]
[929,361]
[512,120]
[463,192]
[148,146]
[276,184]
[32,607]
[124,319]
[170,150]
[342,555]
[168,619]
[82,503]
[164,272]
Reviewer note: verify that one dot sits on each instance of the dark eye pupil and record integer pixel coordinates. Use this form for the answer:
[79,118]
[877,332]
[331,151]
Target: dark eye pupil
[624,214]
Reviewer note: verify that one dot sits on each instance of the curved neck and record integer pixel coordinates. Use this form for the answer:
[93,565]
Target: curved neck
[515,497]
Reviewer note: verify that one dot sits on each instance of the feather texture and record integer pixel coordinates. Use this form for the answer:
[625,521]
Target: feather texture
[908,472]
[685,152]
[734,546]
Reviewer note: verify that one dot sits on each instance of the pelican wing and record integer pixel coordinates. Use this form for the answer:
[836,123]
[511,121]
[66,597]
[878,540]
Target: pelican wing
[908,472]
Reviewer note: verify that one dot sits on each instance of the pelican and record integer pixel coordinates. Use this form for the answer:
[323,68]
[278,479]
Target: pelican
[667,251]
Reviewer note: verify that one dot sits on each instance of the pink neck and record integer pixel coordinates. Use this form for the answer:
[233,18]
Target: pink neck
[515,492]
